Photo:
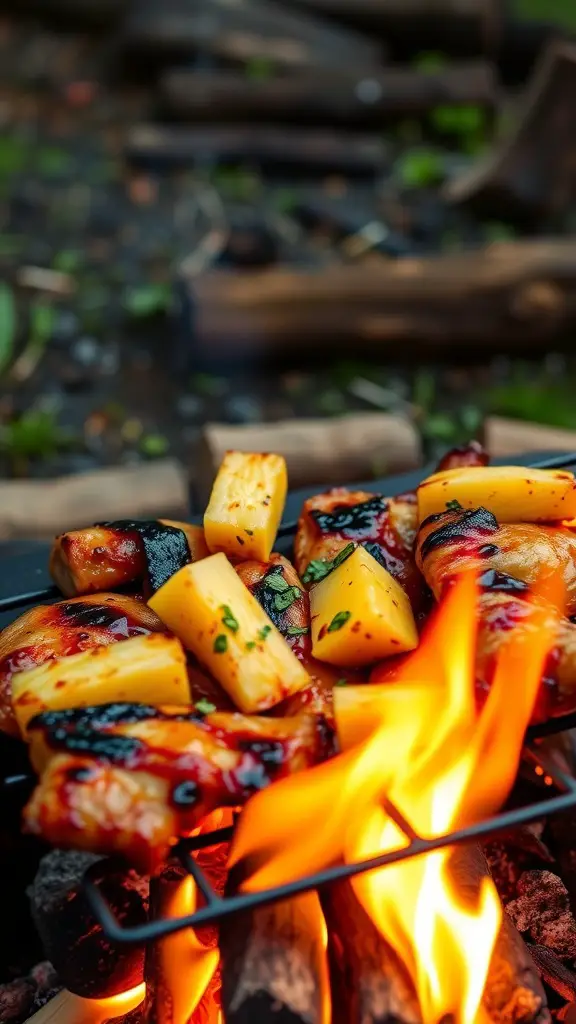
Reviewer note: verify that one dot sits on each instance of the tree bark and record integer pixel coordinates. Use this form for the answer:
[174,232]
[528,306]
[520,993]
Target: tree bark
[326,98]
[305,149]
[252,29]
[505,298]
[531,174]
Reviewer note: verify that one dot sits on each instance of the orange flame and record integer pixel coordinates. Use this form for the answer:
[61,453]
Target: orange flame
[428,754]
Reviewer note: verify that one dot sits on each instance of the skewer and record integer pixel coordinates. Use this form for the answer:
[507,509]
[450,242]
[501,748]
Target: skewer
[67,1008]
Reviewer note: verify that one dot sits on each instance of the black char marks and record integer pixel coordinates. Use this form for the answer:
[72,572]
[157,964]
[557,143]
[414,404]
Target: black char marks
[470,525]
[166,548]
[97,615]
[492,580]
[352,521]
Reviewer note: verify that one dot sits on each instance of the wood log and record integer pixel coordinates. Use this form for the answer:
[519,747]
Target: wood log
[504,437]
[43,508]
[253,29]
[376,988]
[508,297]
[530,175]
[326,98]
[274,965]
[312,150]
[409,26]
[317,451]
[513,991]
[73,940]
[67,1008]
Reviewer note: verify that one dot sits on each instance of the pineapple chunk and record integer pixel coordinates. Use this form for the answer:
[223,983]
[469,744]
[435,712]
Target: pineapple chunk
[215,615]
[246,505]
[513,494]
[145,669]
[360,614]
[358,710]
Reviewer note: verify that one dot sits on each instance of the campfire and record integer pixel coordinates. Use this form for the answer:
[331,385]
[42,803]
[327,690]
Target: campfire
[322,863]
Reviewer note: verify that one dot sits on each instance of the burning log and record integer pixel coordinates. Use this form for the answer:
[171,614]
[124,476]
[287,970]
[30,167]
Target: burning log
[329,98]
[375,984]
[274,964]
[313,150]
[409,26]
[511,296]
[337,450]
[531,175]
[254,29]
[542,909]
[74,942]
[513,991]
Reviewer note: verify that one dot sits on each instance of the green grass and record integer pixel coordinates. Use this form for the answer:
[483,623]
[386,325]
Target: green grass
[563,12]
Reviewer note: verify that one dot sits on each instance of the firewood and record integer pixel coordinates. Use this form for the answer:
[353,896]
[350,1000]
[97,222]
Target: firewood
[410,26]
[326,98]
[249,30]
[513,991]
[505,437]
[67,1008]
[43,508]
[542,909]
[317,451]
[376,986]
[274,963]
[316,151]
[506,297]
[74,942]
[554,972]
[531,174]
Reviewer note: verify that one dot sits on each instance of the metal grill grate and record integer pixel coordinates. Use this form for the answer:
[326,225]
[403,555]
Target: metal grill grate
[562,797]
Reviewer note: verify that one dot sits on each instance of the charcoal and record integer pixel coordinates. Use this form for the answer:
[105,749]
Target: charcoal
[542,909]
[21,998]
[87,962]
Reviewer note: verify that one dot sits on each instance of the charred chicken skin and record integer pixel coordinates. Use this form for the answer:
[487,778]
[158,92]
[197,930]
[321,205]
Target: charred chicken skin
[510,559]
[56,630]
[116,554]
[132,779]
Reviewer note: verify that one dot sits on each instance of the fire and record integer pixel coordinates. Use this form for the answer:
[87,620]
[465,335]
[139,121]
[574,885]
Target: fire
[428,754]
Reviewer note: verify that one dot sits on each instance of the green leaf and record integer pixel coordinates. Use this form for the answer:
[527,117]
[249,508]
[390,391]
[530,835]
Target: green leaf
[453,505]
[263,633]
[147,300]
[14,154]
[339,620]
[7,325]
[275,581]
[319,568]
[228,619]
[154,445]
[250,645]
[205,707]
[220,644]
[420,167]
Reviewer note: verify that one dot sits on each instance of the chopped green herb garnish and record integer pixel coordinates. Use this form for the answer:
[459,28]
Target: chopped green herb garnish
[275,581]
[339,620]
[284,601]
[228,619]
[204,706]
[250,645]
[453,505]
[297,630]
[319,568]
[341,682]
[220,644]
[263,633]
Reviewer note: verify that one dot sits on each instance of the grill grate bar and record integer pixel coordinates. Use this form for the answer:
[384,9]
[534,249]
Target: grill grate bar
[194,869]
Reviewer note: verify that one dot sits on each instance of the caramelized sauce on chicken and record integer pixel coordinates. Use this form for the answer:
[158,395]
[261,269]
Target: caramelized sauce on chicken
[56,630]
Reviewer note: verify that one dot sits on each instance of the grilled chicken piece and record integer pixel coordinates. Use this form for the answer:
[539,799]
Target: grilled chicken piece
[510,560]
[56,630]
[470,454]
[132,779]
[385,526]
[452,542]
[114,554]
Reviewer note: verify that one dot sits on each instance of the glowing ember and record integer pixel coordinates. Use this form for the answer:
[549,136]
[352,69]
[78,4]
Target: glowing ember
[425,751]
